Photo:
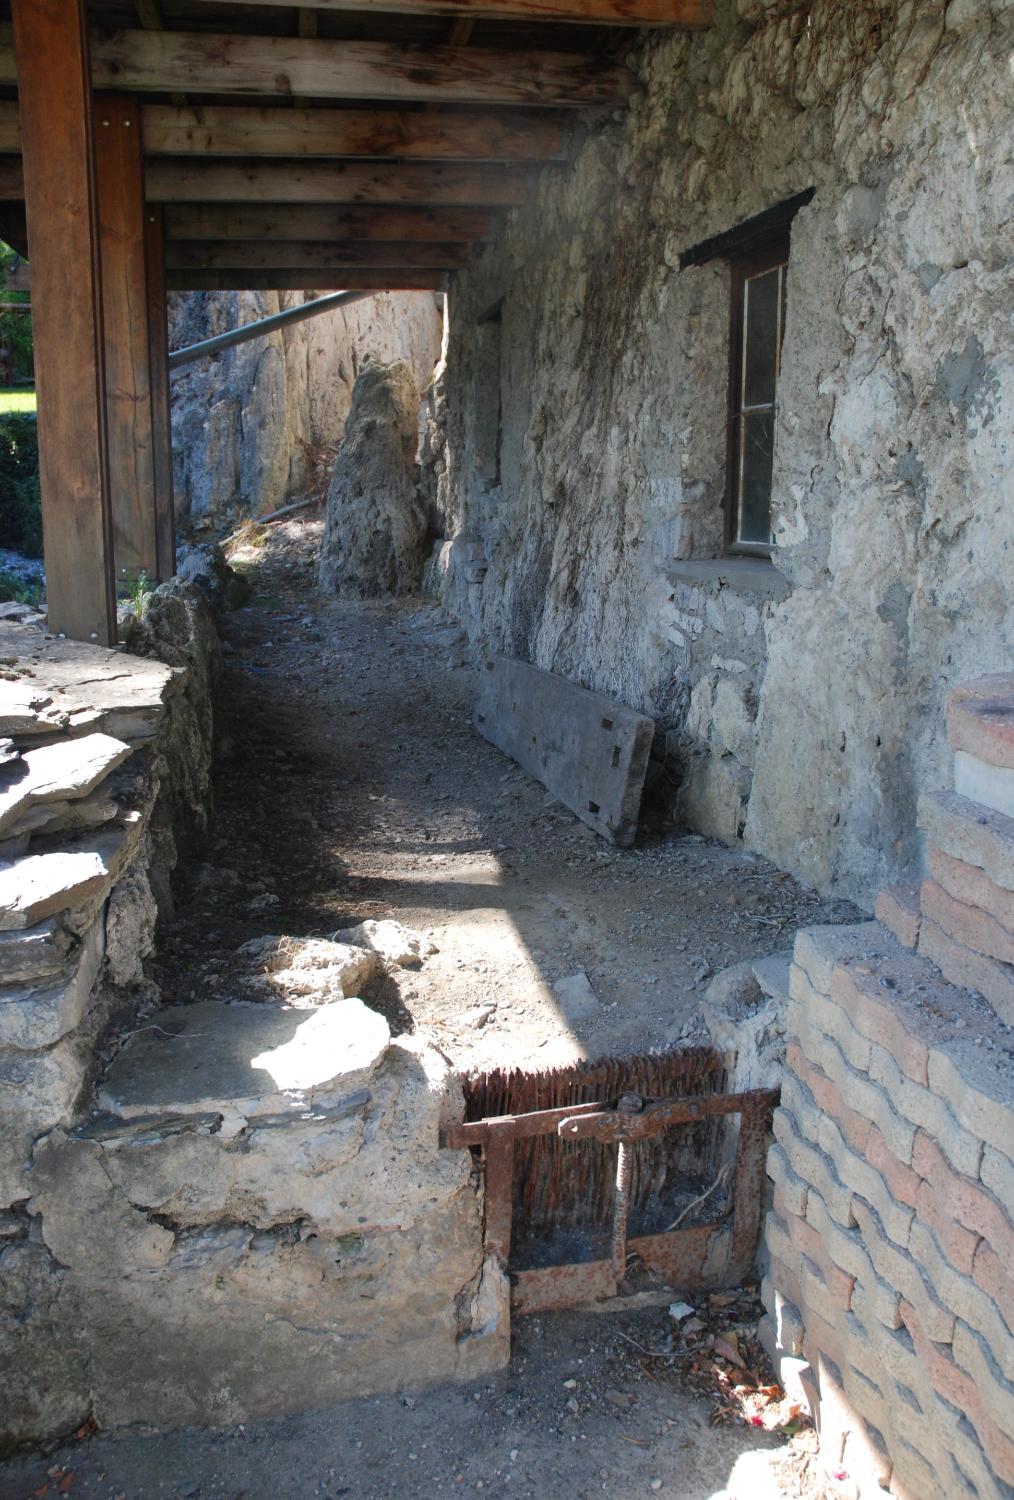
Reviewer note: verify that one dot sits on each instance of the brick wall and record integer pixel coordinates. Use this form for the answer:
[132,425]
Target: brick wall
[890,1245]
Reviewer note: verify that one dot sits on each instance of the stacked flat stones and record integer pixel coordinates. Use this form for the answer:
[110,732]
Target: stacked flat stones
[74,800]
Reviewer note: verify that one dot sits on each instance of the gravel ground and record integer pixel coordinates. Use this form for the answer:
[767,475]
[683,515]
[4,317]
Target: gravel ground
[351,724]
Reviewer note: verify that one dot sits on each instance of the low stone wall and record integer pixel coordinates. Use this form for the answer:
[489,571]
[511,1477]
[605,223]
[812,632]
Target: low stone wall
[889,1287]
[211,1211]
[101,748]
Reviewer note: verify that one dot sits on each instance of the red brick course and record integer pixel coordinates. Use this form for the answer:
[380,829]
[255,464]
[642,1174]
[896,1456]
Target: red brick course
[957,1243]
[963,1199]
[980,718]
[968,969]
[960,1390]
[897,906]
[902,1181]
[967,924]
[854,1127]
[995,1280]
[856,988]
[973,886]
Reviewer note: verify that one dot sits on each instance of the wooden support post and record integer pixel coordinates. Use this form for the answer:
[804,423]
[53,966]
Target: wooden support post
[120,180]
[161,425]
[51,46]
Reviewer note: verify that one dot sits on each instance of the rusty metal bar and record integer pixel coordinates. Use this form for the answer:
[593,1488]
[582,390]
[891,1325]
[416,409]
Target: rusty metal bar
[612,1125]
[522,1127]
[628,1104]
[749,1179]
[499,1191]
[703,1255]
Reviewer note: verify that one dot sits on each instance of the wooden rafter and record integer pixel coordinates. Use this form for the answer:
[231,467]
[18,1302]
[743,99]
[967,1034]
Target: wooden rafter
[309,255]
[190,181]
[257,221]
[272,67]
[687,14]
[187,181]
[243,279]
[150,16]
[223,130]
[239,130]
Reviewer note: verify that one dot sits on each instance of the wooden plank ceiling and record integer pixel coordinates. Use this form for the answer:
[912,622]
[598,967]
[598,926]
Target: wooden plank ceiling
[347,143]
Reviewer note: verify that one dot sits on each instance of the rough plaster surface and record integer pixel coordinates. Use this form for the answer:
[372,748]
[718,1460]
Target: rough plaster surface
[801,717]
[249,424]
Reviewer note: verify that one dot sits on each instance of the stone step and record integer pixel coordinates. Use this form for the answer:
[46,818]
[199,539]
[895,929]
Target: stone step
[37,1015]
[244,1061]
[62,772]
[34,953]
[88,689]
[41,885]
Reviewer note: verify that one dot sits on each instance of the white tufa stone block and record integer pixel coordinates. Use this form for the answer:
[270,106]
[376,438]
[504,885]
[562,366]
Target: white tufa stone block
[992,786]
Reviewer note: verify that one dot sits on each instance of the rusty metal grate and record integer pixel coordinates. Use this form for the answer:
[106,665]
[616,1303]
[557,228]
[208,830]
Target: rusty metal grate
[588,1167]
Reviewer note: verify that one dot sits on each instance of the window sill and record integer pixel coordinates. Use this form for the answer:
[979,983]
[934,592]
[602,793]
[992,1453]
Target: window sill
[744,575]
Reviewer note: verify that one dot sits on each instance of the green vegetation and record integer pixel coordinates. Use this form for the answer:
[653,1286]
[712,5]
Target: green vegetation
[20,510]
[12,588]
[138,588]
[15,327]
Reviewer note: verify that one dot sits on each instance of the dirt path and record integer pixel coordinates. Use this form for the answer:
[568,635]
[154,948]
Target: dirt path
[351,785]
[581,1413]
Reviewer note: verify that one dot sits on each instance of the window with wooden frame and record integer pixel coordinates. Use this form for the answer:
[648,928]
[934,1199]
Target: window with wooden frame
[757,253]
[755,348]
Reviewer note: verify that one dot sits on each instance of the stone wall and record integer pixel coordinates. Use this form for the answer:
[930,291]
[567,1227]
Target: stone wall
[259,424]
[888,1286]
[580,465]
[88,849]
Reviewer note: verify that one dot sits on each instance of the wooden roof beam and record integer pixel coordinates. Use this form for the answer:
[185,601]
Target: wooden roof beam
[243,279]
[265,221]
[238,130]
[274,66]
[171,180]
[313,255]
[224,130]
[309,183]
[187,180]
[694,15]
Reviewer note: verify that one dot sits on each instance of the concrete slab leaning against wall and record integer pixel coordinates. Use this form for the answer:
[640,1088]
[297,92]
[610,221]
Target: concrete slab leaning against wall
[590,752]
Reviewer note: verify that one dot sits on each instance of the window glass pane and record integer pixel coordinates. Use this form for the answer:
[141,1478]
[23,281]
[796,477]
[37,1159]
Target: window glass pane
[757,434]
[760,355]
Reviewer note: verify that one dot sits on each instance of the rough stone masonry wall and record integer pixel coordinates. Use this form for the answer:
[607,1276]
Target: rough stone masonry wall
[890,1246]
[580,464]
[259,424]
